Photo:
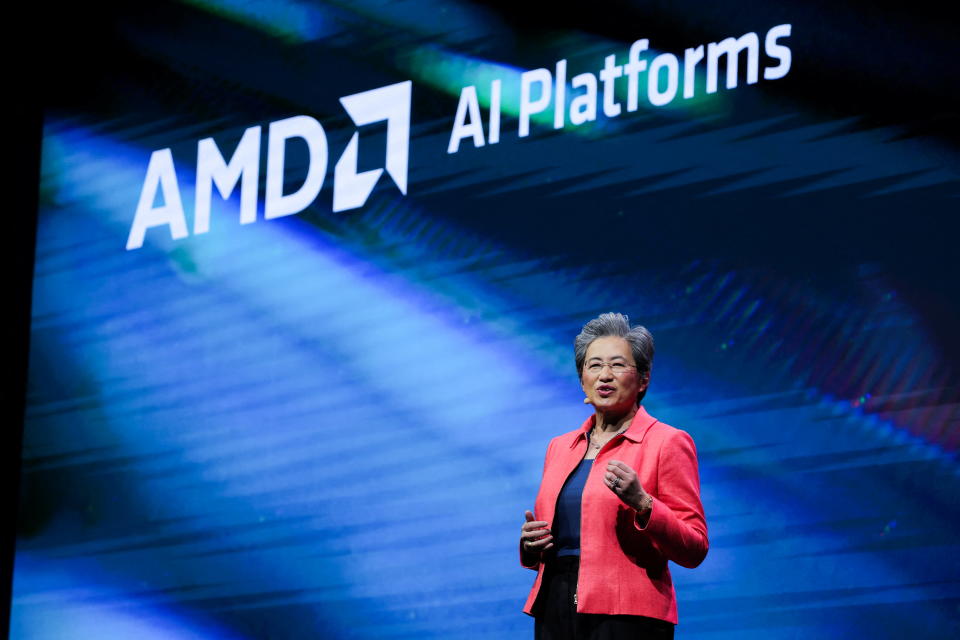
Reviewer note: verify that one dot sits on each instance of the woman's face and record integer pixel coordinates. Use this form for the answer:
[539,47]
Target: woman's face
[609,390]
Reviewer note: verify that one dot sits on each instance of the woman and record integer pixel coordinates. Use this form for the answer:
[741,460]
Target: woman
[620,496]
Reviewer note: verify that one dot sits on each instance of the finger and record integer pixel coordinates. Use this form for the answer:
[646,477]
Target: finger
[616,471]
[540,543]
[626,477]
[535,535]
[536,524]
[548,547]
[535,532]
[619,466]
[528,515]
[612,477]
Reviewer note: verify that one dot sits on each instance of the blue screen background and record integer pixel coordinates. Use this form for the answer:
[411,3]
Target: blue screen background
[330,424]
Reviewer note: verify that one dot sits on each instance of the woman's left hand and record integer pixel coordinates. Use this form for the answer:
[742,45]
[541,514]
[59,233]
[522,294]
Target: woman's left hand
[623,481]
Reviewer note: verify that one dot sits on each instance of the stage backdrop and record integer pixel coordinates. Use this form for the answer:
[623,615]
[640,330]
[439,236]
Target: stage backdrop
[308,276]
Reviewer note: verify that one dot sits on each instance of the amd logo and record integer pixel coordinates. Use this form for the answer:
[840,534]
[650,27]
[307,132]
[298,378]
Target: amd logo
[350,188]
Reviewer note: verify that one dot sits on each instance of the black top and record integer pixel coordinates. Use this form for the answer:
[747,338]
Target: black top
[566,523]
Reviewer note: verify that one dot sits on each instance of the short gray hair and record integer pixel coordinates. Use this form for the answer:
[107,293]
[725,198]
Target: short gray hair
[618,325]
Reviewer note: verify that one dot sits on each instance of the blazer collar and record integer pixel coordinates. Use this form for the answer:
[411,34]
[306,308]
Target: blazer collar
[638,428]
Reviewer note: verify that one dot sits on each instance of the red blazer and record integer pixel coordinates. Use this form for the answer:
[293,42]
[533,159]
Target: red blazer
[623,568]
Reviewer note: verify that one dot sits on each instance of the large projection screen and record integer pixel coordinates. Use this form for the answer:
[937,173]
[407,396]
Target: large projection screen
[308,274]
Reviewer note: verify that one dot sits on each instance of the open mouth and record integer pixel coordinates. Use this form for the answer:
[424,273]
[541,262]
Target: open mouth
[605,390]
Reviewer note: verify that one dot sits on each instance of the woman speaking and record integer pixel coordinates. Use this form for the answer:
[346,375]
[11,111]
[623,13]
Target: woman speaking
[620,496]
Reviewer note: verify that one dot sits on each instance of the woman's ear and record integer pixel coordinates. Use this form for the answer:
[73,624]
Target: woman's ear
[645,383]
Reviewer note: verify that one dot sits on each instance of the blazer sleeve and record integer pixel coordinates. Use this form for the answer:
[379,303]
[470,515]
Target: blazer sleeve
[677,526]
[536,565]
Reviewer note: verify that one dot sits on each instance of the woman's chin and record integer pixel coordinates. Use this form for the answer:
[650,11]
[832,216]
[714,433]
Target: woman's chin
[610,405]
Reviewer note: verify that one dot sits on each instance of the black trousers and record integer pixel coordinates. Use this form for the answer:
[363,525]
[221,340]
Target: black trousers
[557,617]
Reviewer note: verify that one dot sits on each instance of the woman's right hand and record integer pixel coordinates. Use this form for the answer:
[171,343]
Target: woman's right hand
[535,537]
